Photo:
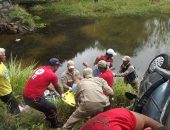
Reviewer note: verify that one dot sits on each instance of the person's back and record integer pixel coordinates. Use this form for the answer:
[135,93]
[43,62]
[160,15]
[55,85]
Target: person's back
[120,119]
[108,76]
[90,97]
[115,119]
[91,90]
[39,81]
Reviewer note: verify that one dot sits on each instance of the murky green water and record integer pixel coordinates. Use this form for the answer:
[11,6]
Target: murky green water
[83,39]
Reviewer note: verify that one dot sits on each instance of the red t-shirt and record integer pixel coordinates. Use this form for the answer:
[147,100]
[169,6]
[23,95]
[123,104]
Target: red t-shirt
[114,119]
[108,76]
[39,82]
[108,60]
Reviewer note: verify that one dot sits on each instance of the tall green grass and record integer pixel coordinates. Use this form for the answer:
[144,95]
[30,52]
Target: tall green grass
[19,74]
[119,90]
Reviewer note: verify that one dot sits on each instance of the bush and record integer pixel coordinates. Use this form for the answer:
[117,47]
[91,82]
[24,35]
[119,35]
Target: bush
[30,120]
[27,19]
[119,89]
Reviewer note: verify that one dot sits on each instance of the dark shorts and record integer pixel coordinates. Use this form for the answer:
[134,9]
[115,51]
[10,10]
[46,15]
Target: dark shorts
[12,104]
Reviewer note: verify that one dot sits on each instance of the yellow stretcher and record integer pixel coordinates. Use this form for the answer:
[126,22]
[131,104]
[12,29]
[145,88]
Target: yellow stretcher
[69,98]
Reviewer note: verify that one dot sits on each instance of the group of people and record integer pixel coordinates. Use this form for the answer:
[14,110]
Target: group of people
[92,94]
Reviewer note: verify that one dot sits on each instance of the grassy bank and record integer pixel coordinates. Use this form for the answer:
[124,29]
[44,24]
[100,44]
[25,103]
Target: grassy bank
[19,74]
[89,8]
[28,20]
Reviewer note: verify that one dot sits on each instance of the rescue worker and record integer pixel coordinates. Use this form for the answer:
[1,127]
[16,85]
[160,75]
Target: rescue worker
[37,84]
[108,57]
[122,119]
[128,72]
[108,76]
[70,76]
[6,94]
[90,97]
[106,73]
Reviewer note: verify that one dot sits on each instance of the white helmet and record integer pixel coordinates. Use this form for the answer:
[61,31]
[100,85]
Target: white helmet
[111,52]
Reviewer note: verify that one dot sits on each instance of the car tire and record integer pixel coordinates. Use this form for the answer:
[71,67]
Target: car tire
[162,61]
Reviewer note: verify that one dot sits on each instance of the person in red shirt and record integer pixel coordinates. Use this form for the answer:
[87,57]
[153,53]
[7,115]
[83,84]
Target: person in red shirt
[121,119]
[41,78]
[108,76]
[108,57]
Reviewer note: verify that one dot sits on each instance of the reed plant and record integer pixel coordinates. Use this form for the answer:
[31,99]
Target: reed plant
[19,74]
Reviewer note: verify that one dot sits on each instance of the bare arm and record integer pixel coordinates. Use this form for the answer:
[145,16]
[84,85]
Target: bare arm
[96,61]
[58,88]
[143,122]
[66,86]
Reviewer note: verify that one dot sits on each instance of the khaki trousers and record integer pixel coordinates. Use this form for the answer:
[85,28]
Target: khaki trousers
[83,111]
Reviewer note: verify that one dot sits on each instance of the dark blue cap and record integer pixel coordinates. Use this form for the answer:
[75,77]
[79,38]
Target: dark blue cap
[54,61]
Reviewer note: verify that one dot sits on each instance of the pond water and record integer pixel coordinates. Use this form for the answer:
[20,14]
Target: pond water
[83,39]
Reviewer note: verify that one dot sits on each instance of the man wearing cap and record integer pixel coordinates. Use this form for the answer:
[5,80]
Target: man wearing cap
[37,84]
[69,76]
[108,76]
[106,73]
[5,87]
[108,57]
[90,96]
[128,72]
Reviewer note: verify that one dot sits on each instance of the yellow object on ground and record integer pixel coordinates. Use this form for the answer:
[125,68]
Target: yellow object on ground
[69,98]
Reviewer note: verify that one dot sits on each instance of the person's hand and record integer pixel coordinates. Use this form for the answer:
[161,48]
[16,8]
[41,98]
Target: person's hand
[85,64]
[62,95]
[56,94]
[69,88]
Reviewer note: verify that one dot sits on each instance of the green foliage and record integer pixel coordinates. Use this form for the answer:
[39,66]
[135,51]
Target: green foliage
[119,90]
[86,8]
[19,75]
[27,18]
[64,110]
[30,120]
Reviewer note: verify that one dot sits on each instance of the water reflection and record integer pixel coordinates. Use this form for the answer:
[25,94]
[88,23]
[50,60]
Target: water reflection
[84,39]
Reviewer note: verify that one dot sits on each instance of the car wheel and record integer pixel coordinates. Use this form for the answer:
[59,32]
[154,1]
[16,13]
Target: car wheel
[162,61]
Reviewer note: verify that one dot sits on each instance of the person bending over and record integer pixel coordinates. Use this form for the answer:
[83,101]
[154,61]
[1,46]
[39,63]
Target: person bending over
[122,119]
